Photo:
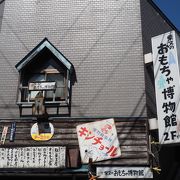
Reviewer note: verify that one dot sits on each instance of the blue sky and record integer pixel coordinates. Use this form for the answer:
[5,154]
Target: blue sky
[171,8]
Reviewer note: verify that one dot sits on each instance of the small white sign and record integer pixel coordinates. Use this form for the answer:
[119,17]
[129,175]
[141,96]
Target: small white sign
[98,140]
[42,86]
[3,136]
[33,157]
[166,57]
[124,172]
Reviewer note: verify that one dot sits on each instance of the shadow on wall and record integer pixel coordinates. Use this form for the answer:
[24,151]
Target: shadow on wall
[2,3]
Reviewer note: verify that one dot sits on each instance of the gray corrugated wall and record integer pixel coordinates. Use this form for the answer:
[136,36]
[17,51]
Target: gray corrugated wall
[152,25]
[102,38]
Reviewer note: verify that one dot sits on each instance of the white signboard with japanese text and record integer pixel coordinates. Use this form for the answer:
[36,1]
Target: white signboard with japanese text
[98,140]
[33,157]
[124,172]
[3,136]
[34,86]
[166,56]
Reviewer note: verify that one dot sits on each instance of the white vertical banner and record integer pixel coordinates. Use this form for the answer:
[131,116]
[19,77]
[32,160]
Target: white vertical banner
[167,85]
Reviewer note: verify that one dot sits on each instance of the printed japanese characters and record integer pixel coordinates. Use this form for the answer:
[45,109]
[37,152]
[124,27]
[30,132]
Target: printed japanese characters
[3,136]
[33,157]
[124,172]
[12,132]
[167,85]
[98,140]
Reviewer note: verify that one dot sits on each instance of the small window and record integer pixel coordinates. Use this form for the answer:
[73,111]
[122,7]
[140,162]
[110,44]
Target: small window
[35,78]
[60,80]
[60,91]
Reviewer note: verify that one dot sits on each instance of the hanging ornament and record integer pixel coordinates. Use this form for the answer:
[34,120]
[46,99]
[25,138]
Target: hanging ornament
[42,131]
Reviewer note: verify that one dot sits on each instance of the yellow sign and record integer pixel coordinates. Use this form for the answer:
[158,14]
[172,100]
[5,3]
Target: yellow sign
[45,135]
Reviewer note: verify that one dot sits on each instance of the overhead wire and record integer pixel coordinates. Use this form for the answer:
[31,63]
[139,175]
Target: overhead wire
[2,1]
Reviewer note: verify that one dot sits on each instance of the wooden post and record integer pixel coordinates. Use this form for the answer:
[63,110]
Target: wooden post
[90,173]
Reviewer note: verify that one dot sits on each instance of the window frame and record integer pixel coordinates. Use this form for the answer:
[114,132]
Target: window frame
[25,92]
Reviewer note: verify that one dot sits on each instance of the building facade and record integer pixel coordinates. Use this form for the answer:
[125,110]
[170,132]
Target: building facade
[86,33]
[105,42]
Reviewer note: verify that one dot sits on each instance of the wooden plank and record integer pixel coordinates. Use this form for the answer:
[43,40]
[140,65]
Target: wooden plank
[80,120]
[73,158]
[51,142]
[137,148]
[60,135]
[130,162]
[132,136]
[68,142]
[119,124]
[71,130]
[26,134]
[133,155]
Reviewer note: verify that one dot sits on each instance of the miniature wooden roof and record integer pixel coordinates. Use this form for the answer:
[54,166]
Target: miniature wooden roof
[45,43]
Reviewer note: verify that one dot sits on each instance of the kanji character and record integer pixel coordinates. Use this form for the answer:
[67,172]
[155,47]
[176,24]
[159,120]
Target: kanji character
[97,140]
[117,173]
[163,60]
[83,131]
[170,120]
[165,69]
[170,44]
[141,172]
[169,79]
[135,172]
[169,106]
[169,92]
[130,172]
[101,147]
[162,48]
[89,137]
[106,128]
[112,150]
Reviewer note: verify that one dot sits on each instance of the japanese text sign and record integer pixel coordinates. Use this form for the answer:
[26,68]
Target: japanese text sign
[4,133]
[33,157]
[98,141]
[34,86]
[167,85]
[124,172]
